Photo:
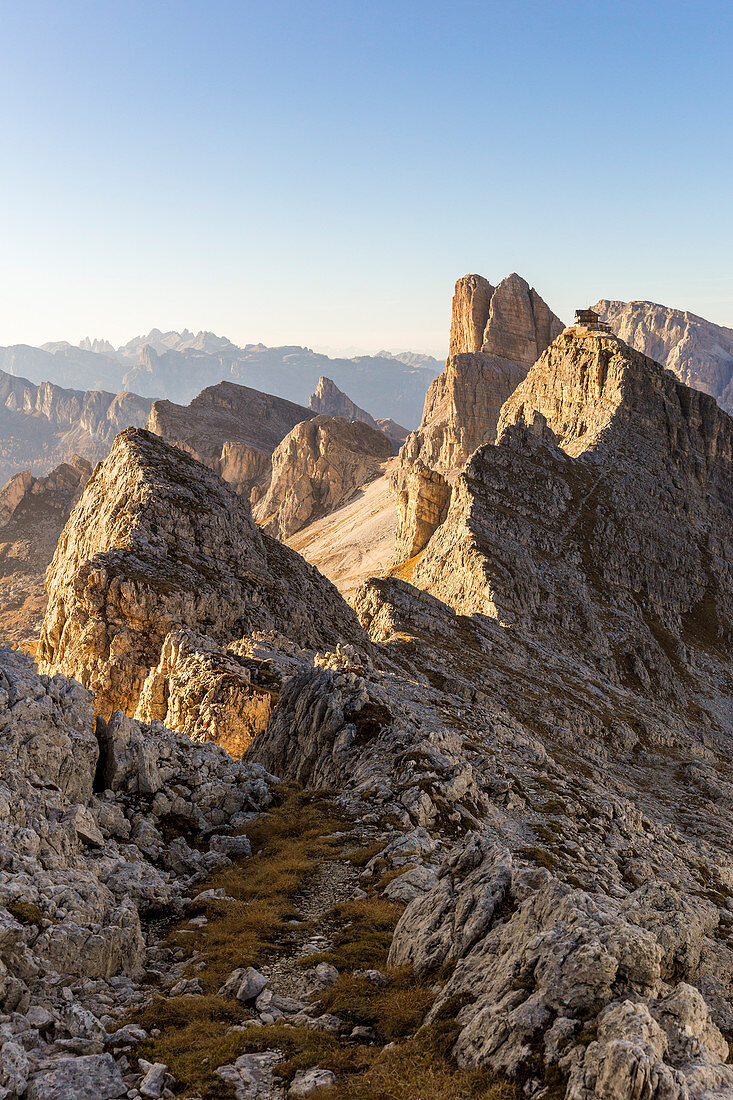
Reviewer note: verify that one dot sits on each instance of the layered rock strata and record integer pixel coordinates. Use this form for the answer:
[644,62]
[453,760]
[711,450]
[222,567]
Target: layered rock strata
[318,466]
[42,425]
[158,542]
[697,351]
[496,335]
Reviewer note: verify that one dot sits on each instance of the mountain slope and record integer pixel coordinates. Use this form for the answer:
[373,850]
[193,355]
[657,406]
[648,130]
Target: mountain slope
[699,352]
[42,425]
[232,429]
[158,543]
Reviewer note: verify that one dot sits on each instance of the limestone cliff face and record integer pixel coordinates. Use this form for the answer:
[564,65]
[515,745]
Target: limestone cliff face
[471,301]
[699,352]
[231,429]
[206,691]
[43,425]
[496,335]
[603,515]
[317,467]
[158,542]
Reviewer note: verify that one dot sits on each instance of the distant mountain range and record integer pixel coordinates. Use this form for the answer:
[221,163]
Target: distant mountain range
[178,365]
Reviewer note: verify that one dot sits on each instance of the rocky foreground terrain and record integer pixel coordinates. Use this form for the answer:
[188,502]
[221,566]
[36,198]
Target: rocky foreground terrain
[478,841]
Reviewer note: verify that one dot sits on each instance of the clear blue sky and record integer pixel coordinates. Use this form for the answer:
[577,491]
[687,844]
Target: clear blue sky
[321,172]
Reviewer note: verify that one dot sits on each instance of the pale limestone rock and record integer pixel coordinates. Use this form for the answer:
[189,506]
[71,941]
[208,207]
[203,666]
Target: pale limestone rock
[156,543]
[329,399]
[496,335]
[423,496]
[605,451]
[231,429]
[205,691]
[253,1076]
[308,1081]
[318,466]
[471,301]
[92,1077]
[699,352]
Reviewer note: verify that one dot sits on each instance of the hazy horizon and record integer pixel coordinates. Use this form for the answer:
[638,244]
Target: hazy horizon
[321,174]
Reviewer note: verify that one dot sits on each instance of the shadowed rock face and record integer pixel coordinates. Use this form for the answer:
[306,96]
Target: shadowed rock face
[317,467]
[231,429]
[571,523]
[496,335]
[699,352]
[159,542]
[33,511]
[327,398]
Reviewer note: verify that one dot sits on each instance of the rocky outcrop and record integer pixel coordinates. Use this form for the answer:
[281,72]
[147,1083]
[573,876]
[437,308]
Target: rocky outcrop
[317,467]
[208,692]
[423,496]
[496,335]
[329,399]
[159,542]
[697,351]
[231,429]
[535,960]
[610,450]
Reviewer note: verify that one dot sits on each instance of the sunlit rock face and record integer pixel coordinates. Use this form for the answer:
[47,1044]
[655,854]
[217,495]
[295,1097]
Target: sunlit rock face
[159,542]
[317,467]
[231,429]
[697,351]
[497,333]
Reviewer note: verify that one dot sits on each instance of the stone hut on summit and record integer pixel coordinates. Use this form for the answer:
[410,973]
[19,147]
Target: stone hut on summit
[589,319]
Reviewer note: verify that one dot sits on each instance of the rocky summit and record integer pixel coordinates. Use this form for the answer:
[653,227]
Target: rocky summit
[699,352]
[466,835]
[158,543]
[232,429]
[496,335]
[328,398]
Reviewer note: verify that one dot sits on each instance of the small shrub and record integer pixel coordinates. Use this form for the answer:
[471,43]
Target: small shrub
[27,912]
